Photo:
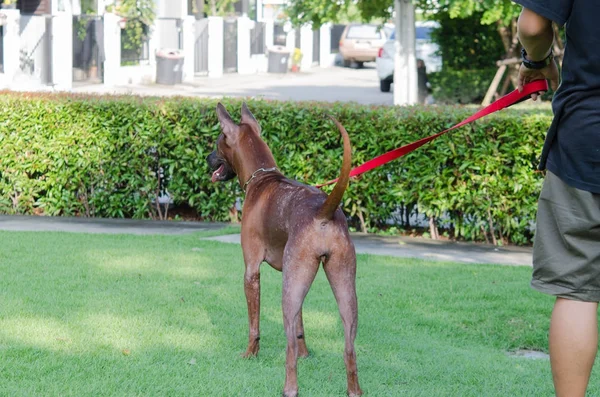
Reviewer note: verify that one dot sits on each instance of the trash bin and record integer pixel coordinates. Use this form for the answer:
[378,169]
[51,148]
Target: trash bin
[278,59]
[169,66]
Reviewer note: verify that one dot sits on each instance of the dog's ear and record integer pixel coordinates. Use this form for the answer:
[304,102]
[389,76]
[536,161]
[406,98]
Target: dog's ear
[248,117]
[228,126]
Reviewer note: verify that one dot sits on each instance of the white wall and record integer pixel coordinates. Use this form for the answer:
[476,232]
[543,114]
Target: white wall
[10,46]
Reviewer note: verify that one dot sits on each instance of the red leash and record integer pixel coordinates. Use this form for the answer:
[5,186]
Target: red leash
[504,102]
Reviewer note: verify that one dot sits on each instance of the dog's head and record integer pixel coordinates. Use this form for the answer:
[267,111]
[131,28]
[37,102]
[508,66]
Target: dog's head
[223,161]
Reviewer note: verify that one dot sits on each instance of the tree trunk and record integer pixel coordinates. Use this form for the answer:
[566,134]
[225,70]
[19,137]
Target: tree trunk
[363,225]
[492,229]
[433,230]
[510,40]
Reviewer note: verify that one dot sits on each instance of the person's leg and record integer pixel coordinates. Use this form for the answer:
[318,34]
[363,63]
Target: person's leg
[573,344]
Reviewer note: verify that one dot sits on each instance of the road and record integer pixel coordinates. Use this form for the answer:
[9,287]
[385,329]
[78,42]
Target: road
[316,84]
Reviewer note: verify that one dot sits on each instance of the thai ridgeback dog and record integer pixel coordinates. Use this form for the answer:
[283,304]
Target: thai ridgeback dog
[294,228]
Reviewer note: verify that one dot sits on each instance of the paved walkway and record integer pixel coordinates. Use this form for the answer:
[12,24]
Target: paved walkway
[365,243]
[315,84]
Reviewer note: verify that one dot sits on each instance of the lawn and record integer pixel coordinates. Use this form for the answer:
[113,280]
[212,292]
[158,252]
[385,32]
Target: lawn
[108,315]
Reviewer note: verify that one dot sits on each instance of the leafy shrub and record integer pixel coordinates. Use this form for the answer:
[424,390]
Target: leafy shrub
[101,157]
[466,43]
[460,86]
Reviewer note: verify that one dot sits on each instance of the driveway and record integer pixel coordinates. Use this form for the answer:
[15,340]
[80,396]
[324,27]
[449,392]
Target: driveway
[316,84]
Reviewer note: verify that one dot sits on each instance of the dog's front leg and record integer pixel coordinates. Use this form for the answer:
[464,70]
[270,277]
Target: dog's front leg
[252,290]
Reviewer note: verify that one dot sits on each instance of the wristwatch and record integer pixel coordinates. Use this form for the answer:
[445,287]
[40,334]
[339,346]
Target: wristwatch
[536,64]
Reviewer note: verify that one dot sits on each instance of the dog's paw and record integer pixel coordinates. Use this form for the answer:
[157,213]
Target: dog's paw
[303,353]
[290,393]
[249,354]
[355,394]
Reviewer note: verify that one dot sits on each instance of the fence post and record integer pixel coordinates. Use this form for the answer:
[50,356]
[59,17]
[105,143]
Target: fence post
[244,26]
[189,46]
[290,40]
[259,11]
[11,45]
[215,46]
[306,46]
[62,51]
[269,33]
[112,49]
[326,60]
[154,45]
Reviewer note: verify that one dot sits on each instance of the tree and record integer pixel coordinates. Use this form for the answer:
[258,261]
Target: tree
[321,11]
[211,7]
[503,13]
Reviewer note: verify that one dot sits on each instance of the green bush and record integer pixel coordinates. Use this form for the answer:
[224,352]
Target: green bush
[99,156]
[460,86]
[466,43]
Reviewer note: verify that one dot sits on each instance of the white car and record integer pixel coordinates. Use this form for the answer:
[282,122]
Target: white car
[425,50]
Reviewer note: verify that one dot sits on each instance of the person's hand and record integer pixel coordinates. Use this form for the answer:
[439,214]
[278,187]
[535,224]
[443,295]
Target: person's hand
[550,72]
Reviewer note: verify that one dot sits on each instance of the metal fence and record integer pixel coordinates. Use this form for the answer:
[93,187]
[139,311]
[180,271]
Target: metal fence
[257,39]
[88,48]
[133,51]
[230,58]
[201,47]
[336,35]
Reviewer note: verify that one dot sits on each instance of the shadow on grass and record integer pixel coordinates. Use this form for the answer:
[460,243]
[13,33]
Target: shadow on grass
[163,315]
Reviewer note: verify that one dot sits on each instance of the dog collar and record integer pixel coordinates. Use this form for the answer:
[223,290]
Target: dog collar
[254,175]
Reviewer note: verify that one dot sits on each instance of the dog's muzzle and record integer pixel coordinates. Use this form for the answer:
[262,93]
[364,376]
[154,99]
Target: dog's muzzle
[222,171]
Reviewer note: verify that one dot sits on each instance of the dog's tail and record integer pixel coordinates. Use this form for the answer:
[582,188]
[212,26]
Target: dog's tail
[335,197]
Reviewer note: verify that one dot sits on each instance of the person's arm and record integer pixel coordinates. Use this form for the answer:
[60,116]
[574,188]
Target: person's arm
[536,36]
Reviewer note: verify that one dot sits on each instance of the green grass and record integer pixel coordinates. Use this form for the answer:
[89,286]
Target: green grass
[102,315]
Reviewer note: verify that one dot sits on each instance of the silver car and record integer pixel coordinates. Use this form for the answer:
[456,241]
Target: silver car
[424,47]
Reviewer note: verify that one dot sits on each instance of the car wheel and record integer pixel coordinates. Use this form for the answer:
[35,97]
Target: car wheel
[360,65]
[385,85]
[347,63]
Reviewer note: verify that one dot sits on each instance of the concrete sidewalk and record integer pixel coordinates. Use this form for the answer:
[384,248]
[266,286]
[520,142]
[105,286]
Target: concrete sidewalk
[406,247]
[333,84]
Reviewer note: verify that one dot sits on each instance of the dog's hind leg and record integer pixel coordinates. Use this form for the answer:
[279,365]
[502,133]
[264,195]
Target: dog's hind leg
[302,349]
[340,269]
[299,269]
[253,258]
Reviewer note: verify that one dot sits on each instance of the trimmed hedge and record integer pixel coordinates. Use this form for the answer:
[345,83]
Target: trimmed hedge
[100,156]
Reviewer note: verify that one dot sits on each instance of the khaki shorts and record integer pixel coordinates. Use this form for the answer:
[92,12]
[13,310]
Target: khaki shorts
[566,249]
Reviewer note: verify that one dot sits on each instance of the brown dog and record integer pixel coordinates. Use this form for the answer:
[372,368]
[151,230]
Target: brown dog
[294,228]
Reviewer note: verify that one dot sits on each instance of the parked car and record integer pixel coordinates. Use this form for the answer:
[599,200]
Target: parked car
[425,49]
[360,43]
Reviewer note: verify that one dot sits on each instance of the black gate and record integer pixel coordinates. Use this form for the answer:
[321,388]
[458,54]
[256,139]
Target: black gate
[201,47]
[336,35]
[230,43]
[257,39]
[88,48]
[316,46]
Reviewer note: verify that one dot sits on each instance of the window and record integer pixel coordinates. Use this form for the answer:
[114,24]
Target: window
[363,32]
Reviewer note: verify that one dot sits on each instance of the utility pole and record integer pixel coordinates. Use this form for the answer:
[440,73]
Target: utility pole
[405,63]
